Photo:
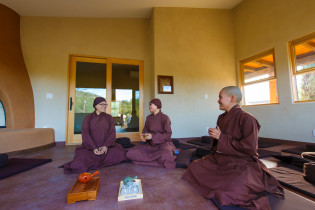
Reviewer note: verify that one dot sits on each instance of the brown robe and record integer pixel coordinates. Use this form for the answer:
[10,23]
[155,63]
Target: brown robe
[97,131]
[232,172]
[160,150]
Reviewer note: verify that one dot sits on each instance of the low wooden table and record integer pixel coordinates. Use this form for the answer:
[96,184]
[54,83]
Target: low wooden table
[84,191]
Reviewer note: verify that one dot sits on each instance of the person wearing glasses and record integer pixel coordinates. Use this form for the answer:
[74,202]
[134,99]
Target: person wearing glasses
[157,148]
[98,147]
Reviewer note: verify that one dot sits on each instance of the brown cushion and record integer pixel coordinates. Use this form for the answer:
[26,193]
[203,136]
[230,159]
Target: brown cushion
[3,160]
[310,148]
[184,158]
[309,171]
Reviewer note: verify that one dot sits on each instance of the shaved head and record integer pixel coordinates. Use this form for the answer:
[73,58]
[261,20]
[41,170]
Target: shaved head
[233,91]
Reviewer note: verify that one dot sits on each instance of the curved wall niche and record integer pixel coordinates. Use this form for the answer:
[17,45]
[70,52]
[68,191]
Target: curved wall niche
[16,92]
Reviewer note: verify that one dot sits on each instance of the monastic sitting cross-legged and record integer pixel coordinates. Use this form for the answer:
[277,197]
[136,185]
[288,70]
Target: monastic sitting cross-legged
[232,174]
[98,147]
[157,148]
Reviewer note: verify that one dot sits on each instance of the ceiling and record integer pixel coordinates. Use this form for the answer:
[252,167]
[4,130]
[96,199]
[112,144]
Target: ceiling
[107,8]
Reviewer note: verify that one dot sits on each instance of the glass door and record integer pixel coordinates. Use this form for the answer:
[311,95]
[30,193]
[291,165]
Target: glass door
[127,96]
[120,81]
[87,81]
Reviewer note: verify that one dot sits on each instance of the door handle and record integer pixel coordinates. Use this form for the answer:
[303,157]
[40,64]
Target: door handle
[71,103]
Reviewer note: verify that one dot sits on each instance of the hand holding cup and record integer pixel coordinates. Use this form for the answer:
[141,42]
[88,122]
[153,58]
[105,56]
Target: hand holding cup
[215,132]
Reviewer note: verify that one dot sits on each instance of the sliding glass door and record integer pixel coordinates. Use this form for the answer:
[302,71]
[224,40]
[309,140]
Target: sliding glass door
[120,81]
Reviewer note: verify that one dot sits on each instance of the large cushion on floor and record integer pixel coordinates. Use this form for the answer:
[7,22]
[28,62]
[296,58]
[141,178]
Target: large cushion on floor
[309,172]
[265,144]
[182,146]
[297,161]
[124,142]
[262,153]
[203,151]
[3,160]
[184,158]
[300,150]
[18,165]
[310,148]
[293,179]
[203,141]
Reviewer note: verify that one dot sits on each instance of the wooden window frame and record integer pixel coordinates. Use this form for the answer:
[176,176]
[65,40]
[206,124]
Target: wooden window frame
[271,78]
[74,139]
[294,72]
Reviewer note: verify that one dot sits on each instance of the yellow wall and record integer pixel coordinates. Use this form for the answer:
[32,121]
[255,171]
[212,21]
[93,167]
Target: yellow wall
[196,47]
[264,24]
[15,87]
[47,43]
[199,47]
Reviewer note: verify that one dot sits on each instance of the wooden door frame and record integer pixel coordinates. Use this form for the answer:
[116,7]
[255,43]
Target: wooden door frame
[73,59]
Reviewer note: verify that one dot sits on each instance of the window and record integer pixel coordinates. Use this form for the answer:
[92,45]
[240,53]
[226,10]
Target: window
[303,68]
[2,116]
[258,79]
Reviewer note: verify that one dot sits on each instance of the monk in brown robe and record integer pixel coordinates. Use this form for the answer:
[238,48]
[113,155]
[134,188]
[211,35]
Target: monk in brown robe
[232,174]
[157,148]
[98,147]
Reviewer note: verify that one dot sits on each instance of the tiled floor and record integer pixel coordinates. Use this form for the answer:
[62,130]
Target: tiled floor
[46,187]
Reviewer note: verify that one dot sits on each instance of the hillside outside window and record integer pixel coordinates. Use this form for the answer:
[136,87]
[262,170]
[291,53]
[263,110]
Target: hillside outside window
[303,68]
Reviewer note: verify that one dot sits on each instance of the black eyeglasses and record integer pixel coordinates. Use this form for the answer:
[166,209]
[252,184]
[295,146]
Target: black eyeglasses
[103,104]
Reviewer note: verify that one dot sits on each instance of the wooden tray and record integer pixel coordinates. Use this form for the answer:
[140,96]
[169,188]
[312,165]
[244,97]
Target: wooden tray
[84,191]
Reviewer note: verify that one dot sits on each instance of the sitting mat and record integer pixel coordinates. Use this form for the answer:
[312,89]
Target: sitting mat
[203,151]
[182,146]
[3,160]
[297,161]
[262,153]
[18,165]
[295,150]
[198,142]
[265,144]
[300,150]
[125,142]
[309,171]
[184,158]
[293,179]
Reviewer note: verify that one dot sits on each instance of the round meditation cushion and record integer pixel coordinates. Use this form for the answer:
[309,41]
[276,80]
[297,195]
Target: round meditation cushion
[309,171]
[3,160]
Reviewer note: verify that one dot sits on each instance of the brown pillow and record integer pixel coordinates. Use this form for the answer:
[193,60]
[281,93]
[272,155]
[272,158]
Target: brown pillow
[309,172]
[3,160]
